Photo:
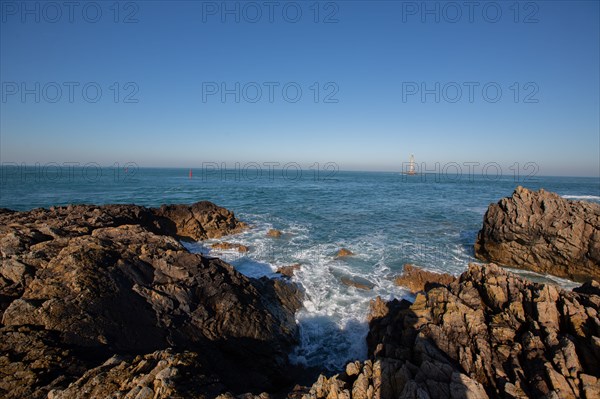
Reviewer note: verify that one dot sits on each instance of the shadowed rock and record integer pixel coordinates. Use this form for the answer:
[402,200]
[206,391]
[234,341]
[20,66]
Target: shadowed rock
[487,334]
[417,279]
[199,221]
[83,284]
[357,282]
[543,232]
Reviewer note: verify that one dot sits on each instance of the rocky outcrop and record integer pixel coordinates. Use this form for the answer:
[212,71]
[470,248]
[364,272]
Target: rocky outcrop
[199,221]
[105,298]
[417,279]
[288,271]
[543,232]
[274,233]
[343,252]
[159,375]
[488,334]
[228,246]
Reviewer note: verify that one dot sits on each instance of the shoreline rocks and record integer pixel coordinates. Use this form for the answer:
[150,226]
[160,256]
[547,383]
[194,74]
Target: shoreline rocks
[199,221]
[96,299]
[104,301]
[489,334]
[274,233]
[228,246]
[417,279]
[542,232]
[288,271]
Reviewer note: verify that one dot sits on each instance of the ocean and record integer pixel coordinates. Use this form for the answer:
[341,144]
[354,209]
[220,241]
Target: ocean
[385,219]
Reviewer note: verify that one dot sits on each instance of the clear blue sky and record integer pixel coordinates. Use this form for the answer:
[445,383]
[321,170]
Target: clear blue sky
[373,55]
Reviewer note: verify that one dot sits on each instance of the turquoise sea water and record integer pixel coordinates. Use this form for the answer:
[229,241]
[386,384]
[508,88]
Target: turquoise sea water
[386,219]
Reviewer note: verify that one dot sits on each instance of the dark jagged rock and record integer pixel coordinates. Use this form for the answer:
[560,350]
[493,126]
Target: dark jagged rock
[543,232]
[80,285]
[488,334]
[199,221]
[416,279]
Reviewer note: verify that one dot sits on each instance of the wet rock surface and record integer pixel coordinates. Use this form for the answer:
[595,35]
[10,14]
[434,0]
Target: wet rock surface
[543,232]
[487,334]
[274,233]
[229,246]
[357,282]
[343,252]
[417,279]
[103,301]
[288,271]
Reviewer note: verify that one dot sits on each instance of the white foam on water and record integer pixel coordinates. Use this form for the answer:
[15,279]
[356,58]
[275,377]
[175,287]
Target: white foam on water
[333,321]
[333,324]
[582,197]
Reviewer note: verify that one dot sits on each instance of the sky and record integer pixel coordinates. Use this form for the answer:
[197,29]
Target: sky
[363,84]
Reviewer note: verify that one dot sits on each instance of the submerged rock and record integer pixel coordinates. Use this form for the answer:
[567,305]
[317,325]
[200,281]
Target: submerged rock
[226,246]
[274,233]
[416,279]
[357,282]
[288,271]
[82,285]
[344,252]
[543,232]
[487,334]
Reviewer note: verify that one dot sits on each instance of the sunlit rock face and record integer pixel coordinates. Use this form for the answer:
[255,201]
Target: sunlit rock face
[543,232]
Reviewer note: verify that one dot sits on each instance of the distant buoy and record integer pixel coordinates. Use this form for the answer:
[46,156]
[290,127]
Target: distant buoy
[190,174]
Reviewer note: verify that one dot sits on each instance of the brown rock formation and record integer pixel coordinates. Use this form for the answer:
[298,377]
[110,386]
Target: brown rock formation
[229,246]
[161,375]
[417,279]
[288,271]
[344,252]
[80,285]
[274,233]
[199,221]
[543,232]
[488,334]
